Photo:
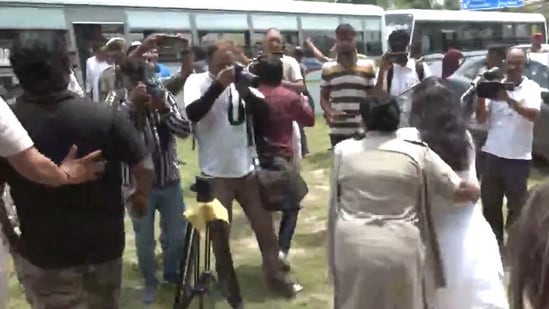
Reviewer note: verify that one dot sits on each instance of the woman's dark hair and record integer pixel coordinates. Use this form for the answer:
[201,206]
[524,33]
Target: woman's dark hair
[436,113]
[269,70]
[380,114]
[528,252]
[41,62]
[399,40]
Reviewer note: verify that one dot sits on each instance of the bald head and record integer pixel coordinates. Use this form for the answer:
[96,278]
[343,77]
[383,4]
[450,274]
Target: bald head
[515,63]
[516,52]
[273,41]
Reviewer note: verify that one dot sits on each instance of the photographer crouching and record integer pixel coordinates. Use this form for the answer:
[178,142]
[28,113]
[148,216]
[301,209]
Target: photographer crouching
[214,101]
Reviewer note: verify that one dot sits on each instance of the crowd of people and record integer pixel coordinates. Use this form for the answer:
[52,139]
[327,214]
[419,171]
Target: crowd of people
[405,229]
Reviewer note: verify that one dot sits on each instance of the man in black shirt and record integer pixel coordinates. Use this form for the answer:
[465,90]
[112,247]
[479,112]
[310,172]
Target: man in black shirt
[72,237]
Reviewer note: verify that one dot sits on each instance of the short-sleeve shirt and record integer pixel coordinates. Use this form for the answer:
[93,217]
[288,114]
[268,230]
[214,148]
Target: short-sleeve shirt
[510,135]
[13,137]
[348,88]
[78,224]
[222,147]
[292,69]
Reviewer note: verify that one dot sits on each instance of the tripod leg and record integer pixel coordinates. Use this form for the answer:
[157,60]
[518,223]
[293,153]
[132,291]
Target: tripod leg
[188,267]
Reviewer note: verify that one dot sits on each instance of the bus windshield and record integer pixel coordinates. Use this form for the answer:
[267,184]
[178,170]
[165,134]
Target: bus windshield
[399,21]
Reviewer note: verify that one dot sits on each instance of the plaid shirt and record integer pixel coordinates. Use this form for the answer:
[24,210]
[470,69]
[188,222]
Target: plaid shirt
[165,161]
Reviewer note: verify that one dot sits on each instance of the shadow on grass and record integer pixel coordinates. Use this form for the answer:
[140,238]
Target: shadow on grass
[310,240]
[539,172]
[319,160]
[253,286]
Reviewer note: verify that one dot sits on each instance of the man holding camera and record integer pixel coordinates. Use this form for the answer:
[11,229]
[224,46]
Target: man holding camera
[508,148]
[214,102]
[157,117]
[399,73]
[344,85]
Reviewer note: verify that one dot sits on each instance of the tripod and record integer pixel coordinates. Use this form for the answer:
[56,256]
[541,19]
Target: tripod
[194,282]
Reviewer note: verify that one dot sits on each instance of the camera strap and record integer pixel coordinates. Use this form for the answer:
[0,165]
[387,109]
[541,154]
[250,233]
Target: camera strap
[241,111]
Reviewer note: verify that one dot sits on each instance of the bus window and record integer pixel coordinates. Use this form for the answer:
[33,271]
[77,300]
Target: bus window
[222,26]
[87,35]
[398,21]
[521,31]
[359,27]
[286,24]
[374,46]
[321,29]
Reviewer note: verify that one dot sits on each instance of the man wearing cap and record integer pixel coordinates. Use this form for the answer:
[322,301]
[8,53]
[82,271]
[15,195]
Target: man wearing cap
[116,52]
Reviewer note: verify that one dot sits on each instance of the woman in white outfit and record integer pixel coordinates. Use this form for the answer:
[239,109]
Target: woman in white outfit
[469,250]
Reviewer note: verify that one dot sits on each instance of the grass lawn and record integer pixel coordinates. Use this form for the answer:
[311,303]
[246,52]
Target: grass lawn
[308,254]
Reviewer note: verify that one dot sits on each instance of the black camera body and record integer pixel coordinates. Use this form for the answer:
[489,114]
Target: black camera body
[154,90]
[244,78]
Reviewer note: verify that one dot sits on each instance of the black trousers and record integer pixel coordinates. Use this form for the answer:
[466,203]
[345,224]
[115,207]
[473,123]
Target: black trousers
[503,177]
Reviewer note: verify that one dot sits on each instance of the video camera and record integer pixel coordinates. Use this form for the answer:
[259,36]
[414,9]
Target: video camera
[244,78]
[488,85]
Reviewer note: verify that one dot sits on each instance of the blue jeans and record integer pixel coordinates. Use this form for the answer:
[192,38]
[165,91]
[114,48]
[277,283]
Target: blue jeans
[169,203]
[286,231]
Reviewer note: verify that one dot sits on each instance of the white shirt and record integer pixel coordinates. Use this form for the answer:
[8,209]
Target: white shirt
[292,69]
[292,73]
[222,148]
[404,78]
[94,69]
[510,135]
[74,86]
[13,137]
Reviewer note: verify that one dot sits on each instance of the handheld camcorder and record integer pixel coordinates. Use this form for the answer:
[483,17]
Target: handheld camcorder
[491,86]
[245,78]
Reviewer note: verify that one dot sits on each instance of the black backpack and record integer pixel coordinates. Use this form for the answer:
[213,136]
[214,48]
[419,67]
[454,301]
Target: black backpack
[420,70]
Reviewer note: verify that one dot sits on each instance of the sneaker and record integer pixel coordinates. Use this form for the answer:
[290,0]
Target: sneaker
[283,257]
[286,287]
[149,295]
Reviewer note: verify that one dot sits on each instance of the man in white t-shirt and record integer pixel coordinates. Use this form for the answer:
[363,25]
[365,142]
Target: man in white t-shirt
[508,147]
[215,106]
[95,65]
[399,73]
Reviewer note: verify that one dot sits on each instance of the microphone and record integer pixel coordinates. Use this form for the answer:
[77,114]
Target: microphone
[490,74]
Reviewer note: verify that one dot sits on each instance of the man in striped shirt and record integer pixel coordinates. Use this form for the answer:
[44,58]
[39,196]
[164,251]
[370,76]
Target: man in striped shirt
[159,120]
[345,84]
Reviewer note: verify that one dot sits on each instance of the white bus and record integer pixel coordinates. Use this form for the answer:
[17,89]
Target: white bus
[84,22]
[433,32]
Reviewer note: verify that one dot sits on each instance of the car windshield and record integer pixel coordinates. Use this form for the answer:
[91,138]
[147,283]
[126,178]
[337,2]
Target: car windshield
[471,67]
[538,73]
[534,71]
